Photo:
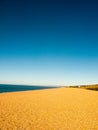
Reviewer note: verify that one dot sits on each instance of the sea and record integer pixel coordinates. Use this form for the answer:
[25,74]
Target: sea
[14,88]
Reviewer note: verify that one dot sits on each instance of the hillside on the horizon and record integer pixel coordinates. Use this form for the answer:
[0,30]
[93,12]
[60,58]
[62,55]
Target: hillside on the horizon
[90,87]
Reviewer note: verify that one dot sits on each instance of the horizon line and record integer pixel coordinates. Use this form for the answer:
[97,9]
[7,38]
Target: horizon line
[47,85]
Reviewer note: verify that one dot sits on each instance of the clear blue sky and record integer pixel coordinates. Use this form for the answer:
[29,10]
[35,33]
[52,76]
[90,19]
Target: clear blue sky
[50,42]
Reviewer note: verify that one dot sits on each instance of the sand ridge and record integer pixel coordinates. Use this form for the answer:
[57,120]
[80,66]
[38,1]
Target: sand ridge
[50,109]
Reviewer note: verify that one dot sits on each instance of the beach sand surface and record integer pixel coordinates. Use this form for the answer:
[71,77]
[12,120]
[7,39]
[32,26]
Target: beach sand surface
[50,109]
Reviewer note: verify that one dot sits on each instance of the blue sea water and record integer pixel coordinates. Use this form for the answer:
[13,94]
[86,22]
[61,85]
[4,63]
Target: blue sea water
[14,88]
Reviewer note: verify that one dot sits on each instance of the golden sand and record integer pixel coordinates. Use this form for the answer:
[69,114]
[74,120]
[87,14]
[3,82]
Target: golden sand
[50,109]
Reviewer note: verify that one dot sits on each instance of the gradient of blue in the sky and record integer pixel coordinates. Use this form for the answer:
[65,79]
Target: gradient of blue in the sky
[50,42]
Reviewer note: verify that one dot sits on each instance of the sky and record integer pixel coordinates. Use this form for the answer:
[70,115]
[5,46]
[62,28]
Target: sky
[49,42]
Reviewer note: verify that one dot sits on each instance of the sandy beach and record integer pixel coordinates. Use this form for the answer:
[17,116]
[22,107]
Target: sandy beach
[50,109]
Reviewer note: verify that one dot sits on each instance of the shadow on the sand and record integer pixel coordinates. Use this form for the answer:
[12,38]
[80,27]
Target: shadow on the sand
[95,89]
